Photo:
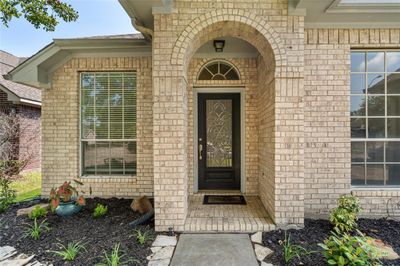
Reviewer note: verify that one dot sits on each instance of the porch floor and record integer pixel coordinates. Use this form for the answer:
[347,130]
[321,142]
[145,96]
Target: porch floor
[227,218]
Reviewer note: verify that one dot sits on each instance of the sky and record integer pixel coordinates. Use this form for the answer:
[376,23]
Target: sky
[96,17]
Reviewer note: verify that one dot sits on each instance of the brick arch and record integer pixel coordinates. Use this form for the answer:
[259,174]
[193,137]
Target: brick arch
[222,23]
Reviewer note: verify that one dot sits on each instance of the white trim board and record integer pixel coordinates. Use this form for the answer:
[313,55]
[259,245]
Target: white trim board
[241,91]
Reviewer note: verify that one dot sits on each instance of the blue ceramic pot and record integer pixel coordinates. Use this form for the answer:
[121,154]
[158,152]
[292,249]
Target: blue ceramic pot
[66,209]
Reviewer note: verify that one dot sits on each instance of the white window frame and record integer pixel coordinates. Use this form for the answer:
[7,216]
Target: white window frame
[367,117]
[81,140]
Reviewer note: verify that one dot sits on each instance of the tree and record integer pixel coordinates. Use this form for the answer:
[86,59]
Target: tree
[13,156]
[40,13]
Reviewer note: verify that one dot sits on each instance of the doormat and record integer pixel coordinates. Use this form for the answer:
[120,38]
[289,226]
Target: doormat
[224,199]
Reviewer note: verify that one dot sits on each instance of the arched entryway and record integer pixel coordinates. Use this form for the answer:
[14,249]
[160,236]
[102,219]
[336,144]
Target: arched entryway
[269,180]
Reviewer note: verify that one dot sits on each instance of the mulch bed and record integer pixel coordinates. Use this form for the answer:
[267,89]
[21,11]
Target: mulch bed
[316,231]
[99,234]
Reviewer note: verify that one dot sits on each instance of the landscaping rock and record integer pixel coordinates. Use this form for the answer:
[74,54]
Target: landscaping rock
[20,260]
[164,253]
[390,254]
[26,211]
[262,252]
[164,262]
[256,238]
[164,241]
[7,252]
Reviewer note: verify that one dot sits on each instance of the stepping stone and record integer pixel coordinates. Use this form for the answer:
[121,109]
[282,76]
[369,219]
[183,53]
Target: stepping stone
[164,253]
[7,252]
[159,262]
[256,238]
[26,211]
[262,252]
[214,249]
[263,263]
[20,260]
[155,249]
[164,241]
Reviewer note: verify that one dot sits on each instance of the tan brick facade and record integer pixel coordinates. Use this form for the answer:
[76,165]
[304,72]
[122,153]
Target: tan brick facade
[297,124]
[60,129]
[327,118]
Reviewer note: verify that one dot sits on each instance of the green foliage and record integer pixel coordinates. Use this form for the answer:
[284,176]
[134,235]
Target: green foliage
[35,230]
[38,212]
[344,249]
[11,168]
[142,238]
[100,210]
[7,194]
[70,251]
[344,216]
[40,13]
[28,186]
[291,251]
[115,258]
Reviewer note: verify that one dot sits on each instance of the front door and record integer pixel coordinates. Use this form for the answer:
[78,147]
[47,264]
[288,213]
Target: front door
[219,140]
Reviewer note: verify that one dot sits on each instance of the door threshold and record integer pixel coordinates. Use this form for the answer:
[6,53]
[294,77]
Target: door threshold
[216,191]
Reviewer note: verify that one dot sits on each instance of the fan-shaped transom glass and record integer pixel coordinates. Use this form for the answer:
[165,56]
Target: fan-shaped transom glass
[218,70]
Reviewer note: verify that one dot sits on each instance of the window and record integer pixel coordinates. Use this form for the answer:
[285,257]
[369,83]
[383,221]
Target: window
[375,118]
[108,123]
[218,70]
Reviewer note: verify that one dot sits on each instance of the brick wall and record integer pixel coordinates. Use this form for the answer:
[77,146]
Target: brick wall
[266,135]
[29,141]
[30,136]
[327,118]
[60,128]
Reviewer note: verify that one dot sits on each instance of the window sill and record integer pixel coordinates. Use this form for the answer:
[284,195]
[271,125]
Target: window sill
[108,176]
[372,188]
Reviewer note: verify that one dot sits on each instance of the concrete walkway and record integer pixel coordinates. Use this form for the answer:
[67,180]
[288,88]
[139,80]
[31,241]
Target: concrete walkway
[214,249]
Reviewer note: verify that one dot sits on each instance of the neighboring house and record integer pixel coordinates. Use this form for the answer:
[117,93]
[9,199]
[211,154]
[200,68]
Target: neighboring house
[26,102]
[290,104]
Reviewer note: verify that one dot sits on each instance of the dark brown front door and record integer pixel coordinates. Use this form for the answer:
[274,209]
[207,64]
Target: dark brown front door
[219,140]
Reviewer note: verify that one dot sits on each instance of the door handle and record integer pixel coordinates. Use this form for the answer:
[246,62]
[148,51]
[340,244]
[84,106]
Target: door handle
[200,151]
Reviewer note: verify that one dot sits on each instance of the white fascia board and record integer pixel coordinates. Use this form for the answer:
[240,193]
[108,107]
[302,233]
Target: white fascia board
[37,70]
[338,6]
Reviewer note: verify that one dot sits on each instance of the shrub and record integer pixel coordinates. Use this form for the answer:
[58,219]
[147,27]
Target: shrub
[344,249]
[291,251]
[7,194]
[100,210]
[142,238]
[344,216]
[38,212]
[70,251]
[34,231]
[115,258]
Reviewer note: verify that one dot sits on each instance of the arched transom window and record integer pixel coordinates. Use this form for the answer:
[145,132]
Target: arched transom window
[218,70]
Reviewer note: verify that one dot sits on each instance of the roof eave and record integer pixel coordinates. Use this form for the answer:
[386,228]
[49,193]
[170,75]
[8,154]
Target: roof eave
[37,70]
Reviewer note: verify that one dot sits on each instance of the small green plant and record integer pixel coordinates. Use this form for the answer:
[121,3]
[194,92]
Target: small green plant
[344,249]
[115,258]
[142,238]
[344,216]
[7,194]
[291,251]
[70,251]
[36,229]
[100,210]
[38,212]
